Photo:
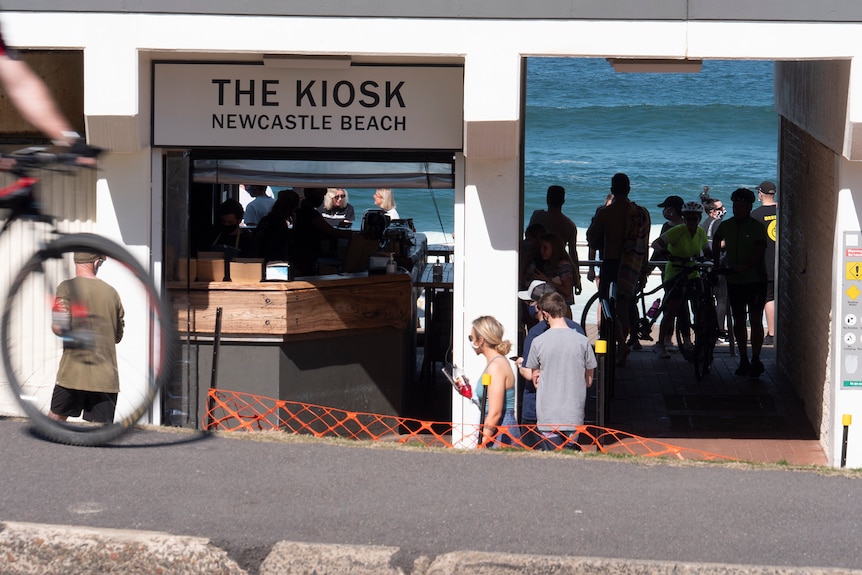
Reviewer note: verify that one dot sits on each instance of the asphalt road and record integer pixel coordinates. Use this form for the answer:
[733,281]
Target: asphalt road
[245,495]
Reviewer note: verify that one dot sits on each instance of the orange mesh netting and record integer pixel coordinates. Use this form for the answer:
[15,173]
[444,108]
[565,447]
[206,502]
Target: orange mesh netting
[237,411]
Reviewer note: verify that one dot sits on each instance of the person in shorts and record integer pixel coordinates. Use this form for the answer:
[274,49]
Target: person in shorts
[562,364]
[89,315]
[767,214]
[745,242]
[529,437]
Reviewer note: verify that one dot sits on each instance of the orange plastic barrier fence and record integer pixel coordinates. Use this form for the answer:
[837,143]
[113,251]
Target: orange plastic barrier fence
[237,411]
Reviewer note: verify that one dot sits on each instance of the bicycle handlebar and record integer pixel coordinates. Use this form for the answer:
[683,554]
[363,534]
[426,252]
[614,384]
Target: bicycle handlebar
[690,265]
[22,161]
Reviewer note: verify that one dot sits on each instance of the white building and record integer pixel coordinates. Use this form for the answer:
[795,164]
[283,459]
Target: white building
[133,102]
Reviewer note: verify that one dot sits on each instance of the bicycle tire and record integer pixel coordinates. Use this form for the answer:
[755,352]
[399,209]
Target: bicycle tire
[590,318]
[31,351]
[685,335]
[706,333]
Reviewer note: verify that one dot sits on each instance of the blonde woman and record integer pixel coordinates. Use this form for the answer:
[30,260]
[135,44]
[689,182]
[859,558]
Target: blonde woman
[384,200]
[336,210]
[486,338]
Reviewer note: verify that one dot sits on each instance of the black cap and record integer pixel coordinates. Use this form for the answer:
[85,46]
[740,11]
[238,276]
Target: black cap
[766,187]
[673,202]
[742,195]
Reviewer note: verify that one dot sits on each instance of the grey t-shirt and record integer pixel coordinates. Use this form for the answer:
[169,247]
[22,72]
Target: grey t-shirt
[257,209]
[563,356]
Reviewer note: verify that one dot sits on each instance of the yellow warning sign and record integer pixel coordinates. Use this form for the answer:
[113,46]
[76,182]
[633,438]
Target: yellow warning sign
[853,270]
[853,292]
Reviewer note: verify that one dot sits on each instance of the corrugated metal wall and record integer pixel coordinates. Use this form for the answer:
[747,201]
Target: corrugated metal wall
[72,198]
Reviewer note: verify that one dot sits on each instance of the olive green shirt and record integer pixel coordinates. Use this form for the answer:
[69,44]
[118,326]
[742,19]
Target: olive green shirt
[93,369]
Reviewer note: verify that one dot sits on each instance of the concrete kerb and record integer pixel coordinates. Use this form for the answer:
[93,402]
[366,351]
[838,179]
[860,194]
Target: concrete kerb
[27,548]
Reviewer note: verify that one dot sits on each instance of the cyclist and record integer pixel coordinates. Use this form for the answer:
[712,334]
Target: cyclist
[32,99]
[687,240]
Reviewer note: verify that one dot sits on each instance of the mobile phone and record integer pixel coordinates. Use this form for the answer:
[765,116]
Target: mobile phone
[513,357]
[449,376]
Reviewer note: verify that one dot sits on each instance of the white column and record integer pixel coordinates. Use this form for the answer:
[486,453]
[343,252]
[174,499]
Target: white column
[487,213]
[843,397]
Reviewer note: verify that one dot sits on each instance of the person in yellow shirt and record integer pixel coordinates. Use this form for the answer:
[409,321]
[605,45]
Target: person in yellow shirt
[687,240]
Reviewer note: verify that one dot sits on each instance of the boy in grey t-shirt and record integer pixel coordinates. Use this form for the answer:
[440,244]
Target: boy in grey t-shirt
[563,364]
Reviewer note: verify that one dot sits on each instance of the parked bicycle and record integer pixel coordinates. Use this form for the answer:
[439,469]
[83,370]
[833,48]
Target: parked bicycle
[32,342]
[695,338]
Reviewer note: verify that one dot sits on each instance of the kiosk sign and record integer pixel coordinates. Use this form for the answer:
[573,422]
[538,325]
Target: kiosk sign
[237,105]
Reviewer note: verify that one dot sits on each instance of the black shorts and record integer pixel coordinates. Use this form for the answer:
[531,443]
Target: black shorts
[95,405]
[746,299]
[770,290]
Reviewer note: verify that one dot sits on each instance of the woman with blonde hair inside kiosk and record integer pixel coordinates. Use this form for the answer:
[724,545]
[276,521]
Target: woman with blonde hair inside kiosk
[309,231]
[336,210]
[486,338]
[384,200]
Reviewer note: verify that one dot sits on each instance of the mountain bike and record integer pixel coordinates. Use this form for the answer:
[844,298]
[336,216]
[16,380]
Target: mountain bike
[33,344]
[696,333]
[696,341]
[593,312]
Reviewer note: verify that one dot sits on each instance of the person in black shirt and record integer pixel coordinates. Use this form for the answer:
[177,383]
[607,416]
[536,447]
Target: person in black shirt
[309,230]
[336,210]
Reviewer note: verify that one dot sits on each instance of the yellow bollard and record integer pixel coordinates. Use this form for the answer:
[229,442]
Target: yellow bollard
[601,346]
[486,381]
[846,420]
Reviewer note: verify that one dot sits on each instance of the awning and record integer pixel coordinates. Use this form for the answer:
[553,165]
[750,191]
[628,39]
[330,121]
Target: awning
[326,174]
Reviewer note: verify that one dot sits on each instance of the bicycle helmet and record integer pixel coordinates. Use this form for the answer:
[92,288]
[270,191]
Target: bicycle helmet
[692,208]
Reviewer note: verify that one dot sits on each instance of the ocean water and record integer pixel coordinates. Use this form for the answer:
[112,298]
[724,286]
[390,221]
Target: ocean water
[671,133]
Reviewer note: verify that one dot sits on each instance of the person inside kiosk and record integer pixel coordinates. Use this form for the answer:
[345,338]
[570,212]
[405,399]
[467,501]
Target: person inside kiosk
[309,232]
[230,237]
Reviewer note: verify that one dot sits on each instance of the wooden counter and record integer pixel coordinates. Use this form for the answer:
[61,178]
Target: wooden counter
[310,305]
[346,341]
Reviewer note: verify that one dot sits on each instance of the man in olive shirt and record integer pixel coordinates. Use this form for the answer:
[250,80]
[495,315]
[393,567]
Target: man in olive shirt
[88,314]
[745,245]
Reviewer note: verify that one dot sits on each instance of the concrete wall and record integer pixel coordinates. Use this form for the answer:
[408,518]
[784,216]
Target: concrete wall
[815,95]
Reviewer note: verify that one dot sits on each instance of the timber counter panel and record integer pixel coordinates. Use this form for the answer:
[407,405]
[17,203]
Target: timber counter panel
[319,304]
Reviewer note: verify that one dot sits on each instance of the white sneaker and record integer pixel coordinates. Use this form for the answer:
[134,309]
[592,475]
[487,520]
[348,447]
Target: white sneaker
[661,350]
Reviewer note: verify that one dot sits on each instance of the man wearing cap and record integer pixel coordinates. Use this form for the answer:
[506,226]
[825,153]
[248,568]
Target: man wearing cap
[745,245]
[672,212]
[87,381]
[533,294]
[767,215]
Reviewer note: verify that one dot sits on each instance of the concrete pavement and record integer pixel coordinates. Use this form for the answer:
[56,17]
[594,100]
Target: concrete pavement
[179,502]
